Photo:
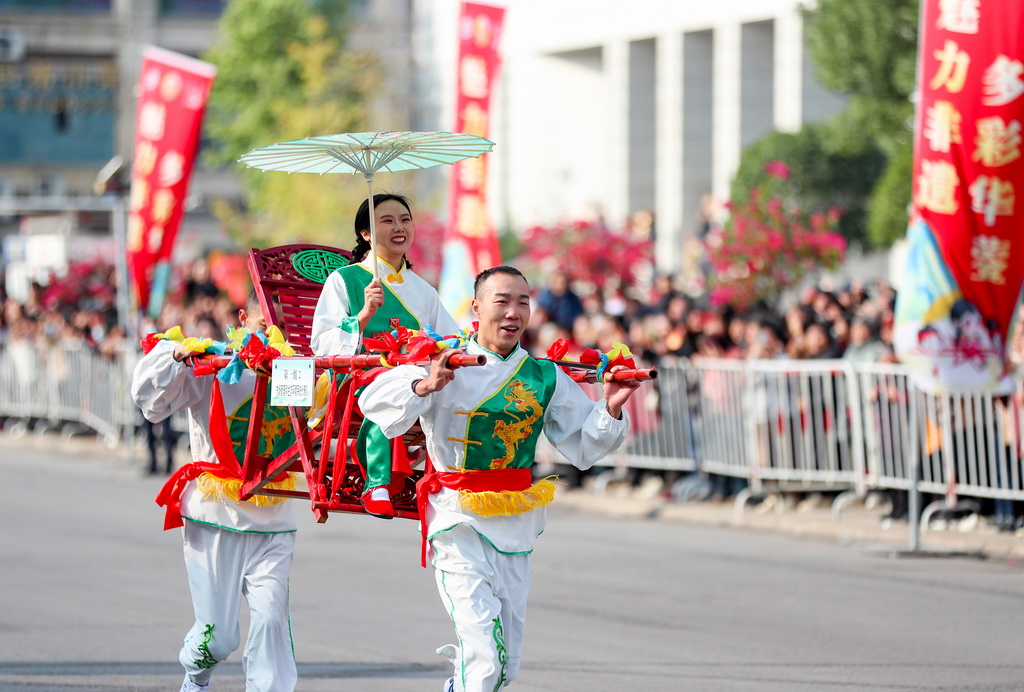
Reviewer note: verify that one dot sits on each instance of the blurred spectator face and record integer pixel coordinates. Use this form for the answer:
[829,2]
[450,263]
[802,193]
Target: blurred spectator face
[206,328]
[833,312]
[737,330]
[676,309]
[821,303]
[200,270]
[885,332]
[714,325]
[69,333]
[170,316]
[582,331]
[768,344]
[808,295]
[815,339]
[12,311]
[539,318]
[795,321]
[558,283]
[614,332]
[695,321]
[658,326]
[663,285]
[751,334]
[591,303]
[860,333]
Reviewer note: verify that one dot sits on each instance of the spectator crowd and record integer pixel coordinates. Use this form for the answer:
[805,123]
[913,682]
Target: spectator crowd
[662,324]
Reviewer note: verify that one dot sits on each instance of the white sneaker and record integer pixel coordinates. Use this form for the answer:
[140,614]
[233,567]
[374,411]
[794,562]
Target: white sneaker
[450,685]
[189,685]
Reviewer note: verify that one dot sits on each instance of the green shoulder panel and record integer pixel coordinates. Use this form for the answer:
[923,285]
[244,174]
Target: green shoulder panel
[503,430]
[357,278]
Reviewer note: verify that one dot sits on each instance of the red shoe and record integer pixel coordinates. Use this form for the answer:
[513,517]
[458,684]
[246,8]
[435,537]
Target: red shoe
[378,508]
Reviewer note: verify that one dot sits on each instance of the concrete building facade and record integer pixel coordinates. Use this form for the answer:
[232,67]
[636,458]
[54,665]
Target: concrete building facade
[605,108]
[610,108]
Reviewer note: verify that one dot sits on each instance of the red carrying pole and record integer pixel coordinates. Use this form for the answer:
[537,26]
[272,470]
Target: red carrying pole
[358,362]
[370,360]
[617,376]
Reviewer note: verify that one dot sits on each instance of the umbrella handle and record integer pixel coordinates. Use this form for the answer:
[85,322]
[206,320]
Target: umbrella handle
[373,225]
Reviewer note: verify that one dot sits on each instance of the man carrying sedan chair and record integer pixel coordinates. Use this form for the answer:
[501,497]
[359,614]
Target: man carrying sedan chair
[232,548]
[480,509]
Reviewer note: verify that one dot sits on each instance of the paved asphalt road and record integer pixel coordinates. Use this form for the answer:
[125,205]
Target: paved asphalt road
[95,598]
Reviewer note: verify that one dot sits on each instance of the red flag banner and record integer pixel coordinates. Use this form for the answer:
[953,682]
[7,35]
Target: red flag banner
[173,90]
[471,244]
[966,256]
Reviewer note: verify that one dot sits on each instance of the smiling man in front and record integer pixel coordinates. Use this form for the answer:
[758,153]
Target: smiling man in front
[481,510]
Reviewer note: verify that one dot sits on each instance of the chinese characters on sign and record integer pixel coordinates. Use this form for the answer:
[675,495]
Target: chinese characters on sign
[292,382]
[173,90]
[965,267]
[471,244]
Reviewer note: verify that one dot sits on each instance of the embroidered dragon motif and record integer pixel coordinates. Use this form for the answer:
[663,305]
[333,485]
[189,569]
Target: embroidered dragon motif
[272,431]
[525,410]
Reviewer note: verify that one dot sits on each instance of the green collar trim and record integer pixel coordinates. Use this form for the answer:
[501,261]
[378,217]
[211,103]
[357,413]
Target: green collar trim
[496,355]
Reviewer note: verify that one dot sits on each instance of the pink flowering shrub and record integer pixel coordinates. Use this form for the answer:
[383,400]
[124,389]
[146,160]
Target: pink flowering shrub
[86,281]
[768,246]
[589,251]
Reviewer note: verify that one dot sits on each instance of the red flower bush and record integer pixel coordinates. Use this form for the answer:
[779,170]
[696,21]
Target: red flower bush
[589,251]
[768,246]
[87,284]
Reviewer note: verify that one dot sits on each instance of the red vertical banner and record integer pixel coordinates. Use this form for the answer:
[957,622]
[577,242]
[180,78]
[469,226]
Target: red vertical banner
[966,257]
[471,244]
[173,90]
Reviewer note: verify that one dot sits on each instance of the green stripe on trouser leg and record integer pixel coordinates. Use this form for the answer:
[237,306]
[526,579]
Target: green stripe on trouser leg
[374,450]
[499,645]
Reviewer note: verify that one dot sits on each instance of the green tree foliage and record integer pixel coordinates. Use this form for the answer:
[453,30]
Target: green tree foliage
[867,49]
[819,179]
[890,198]
[284,73]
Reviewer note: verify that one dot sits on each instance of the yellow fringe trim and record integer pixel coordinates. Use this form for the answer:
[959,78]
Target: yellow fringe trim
[507,503]
[227,489]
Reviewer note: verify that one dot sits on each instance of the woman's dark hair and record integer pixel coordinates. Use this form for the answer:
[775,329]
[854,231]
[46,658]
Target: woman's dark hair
[362,223]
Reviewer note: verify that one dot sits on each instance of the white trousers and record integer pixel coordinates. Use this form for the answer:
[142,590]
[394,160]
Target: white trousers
[223,566]
[484,592]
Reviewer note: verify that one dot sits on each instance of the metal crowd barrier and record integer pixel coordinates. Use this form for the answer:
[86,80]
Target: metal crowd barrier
[830,425]
[71,387]
[782,424]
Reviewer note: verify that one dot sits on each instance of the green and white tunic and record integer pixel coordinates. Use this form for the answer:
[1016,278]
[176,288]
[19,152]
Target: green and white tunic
[491,417]
[407,297]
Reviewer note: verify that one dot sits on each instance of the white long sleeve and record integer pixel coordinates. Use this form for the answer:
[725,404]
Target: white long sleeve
[162,385]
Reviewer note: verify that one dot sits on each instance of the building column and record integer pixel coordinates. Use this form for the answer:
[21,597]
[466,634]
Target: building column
[727,101]
[137,27]
[789,68]
[669,200]
[616,73]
